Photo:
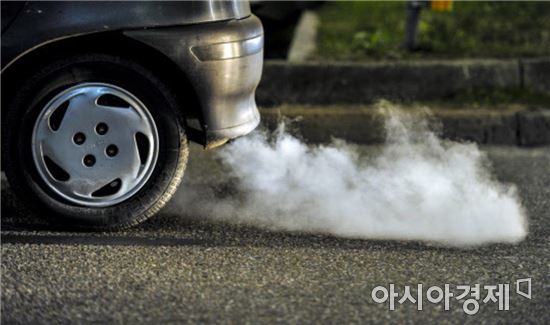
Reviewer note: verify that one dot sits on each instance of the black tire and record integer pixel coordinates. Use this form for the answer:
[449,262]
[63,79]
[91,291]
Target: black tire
[30,99]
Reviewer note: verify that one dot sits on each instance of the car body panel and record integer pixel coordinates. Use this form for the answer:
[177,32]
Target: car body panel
[44,21]
[217,44]
[10,10]
[224,63]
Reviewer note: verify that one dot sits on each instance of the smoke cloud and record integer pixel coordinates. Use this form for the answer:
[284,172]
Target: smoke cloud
[414,187]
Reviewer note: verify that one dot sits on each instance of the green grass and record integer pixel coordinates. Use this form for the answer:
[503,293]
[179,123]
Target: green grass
[363,30]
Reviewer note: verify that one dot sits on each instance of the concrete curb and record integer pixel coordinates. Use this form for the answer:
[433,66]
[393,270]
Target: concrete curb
[331,83]
[535,74]
[366,126]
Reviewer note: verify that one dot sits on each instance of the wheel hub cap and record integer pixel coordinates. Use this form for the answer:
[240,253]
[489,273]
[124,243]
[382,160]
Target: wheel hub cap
[95,144]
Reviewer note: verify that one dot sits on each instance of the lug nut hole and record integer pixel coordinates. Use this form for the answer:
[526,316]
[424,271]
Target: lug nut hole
[79,138]
[111,150]
[101,128]
[89,160]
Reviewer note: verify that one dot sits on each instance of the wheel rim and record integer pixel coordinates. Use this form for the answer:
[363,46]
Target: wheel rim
[95,144]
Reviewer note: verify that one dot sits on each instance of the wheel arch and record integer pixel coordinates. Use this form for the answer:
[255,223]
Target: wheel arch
[113,43]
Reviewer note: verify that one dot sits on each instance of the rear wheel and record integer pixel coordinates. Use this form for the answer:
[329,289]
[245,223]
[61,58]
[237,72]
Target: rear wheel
[94,141]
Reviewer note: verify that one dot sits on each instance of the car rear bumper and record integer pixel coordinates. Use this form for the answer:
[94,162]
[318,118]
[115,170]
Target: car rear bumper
[223,62]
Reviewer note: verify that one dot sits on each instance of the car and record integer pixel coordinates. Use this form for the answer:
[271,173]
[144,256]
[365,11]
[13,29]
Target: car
[100,100]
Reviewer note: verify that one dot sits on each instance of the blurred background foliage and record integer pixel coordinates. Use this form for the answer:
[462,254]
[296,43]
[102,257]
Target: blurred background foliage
[369,30]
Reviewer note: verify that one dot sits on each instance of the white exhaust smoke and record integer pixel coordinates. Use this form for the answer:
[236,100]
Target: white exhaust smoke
[416,187]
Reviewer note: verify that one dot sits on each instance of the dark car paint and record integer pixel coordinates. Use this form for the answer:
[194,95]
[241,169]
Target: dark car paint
[224,84]
[9,10]
[43,22]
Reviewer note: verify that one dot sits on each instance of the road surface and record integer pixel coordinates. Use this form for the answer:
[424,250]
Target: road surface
[178,268]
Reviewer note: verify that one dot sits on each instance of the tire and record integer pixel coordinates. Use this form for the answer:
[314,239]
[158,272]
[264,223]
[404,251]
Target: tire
[143,188]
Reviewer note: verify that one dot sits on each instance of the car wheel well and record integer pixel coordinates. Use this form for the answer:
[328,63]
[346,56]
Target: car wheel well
[113,43]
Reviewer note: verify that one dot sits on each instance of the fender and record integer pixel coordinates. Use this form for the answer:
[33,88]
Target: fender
[46,22]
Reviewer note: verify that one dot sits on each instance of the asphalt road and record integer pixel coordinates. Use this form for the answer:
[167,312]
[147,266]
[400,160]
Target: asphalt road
[178,268]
